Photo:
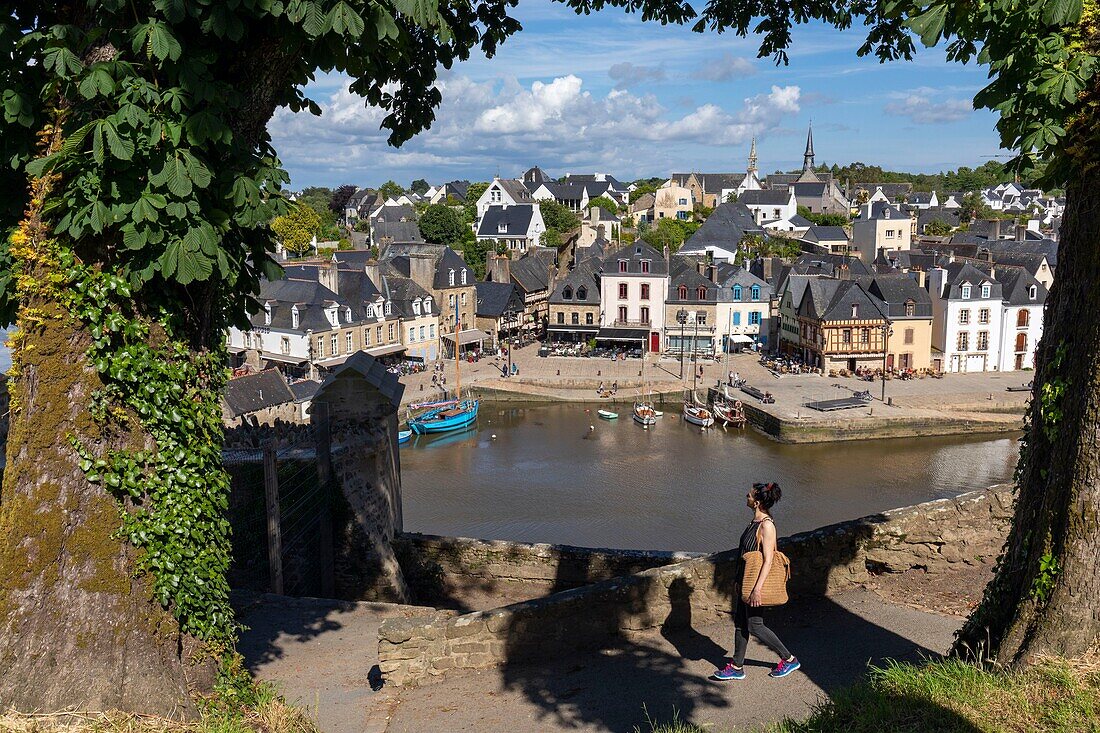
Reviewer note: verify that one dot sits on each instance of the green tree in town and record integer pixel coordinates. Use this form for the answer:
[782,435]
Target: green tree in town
[440,224]
[824,219]
[473,193]
[972,207]
[390,190]
[604,202]
[340,197]
[671,233]
[297,228]
[558,216]
[419,186]
[937,228]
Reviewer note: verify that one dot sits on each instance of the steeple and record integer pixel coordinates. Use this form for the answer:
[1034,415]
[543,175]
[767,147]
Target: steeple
[752,157]
[808,156]
[808,175]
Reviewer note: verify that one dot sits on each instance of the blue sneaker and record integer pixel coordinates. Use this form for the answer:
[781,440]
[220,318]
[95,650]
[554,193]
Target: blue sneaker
[785,667]
[729,672]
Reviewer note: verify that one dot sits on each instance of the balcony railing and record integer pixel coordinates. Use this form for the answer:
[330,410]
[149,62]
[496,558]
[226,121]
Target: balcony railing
[631,324]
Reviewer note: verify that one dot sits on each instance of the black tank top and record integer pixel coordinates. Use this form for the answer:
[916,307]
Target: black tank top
[749,536]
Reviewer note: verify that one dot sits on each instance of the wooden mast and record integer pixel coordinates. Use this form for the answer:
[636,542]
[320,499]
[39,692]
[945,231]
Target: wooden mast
[458,370]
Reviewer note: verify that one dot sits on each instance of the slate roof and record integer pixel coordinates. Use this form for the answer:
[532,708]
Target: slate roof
[253,392]
[895,291]
[310,297]
[404,212]
[963,272]
[634,254]
[810,189]
[532,274]
[536,176]
[730,275]
[684,273]
[402,291]
[304,389]
[396,259]
[776,180]
[833,262]
[765,197]
[400,232]
[515,219]
[375,372]
[449,260]
[352,258]
[495,298]
[797,284]
[611,181]
[890,190]
[1032,261]
[920,197]
[586,275]
[885,210]
[832,300]
[516,190]
[1016,283]
[820,233]
[1046,247]
[563,191]
[644,202]
[724,228]
[927,216]
[457,189]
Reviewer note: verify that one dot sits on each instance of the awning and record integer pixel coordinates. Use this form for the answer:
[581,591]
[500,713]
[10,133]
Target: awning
[282,358]
[572,328]
[740,338]
[622,334]
[384,350]
[469,336]
[333,362]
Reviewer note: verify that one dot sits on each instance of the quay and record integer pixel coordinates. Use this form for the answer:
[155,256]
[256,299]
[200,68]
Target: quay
[981,403]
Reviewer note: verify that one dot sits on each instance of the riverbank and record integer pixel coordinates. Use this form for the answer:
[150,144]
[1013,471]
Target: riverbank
[957,404]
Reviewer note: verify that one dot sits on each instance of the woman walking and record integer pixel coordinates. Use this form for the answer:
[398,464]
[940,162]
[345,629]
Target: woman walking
[759,535]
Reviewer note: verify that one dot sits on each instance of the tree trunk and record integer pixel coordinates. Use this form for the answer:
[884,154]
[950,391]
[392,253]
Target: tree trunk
[1035,607]
[79,627]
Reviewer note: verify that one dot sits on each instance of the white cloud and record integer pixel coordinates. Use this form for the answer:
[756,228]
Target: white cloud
[725,68]
[626,74]
[485,127]
[921,106]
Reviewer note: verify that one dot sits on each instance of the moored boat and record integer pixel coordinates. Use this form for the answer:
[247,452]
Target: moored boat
[696,415]
[445,419]
[644,414]
[404,436]
[608,414]
[730,413]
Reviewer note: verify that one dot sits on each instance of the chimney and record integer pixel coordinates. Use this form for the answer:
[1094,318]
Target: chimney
[668,255]
[1021,232]
[373,274]
[701,267]
[922,278]
[422,270]
[328,277]
[995,234]
[712,273]
[499,269]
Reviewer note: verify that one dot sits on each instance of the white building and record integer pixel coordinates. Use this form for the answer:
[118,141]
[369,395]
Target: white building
[633,286]
[967,315]
[1022,317]
[520,226]
[881,226]
[503,192]
[770,204]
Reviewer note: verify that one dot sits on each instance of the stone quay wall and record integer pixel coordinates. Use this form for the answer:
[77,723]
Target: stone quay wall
[935,536]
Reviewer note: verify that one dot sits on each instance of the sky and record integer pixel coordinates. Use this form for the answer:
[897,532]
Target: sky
[608,93]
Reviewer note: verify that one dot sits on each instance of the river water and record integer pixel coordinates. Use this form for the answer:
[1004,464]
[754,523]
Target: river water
[547,478]
[5,354]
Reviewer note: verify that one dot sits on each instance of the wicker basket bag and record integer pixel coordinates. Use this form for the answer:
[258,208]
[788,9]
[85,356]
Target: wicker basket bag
[774,590]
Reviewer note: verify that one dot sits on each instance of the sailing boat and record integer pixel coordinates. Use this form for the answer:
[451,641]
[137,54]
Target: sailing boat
[644,414]
[456,414]
[694,413]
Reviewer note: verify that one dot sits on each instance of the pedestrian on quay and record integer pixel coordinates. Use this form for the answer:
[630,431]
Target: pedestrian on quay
[749,617]
[729,378]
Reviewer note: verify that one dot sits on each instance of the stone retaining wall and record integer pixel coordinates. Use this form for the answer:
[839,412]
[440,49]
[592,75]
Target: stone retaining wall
[458,569]
[935,536]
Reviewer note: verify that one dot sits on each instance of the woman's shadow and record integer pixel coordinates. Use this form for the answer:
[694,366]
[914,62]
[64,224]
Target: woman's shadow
[678,630]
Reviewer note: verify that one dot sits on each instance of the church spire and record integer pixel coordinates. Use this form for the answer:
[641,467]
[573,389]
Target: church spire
[752,157]
[808,156]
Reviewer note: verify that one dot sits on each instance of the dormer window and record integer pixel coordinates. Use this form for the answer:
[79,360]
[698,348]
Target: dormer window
[965,292]
[910,308]
[389,308]
[416,307]
[333,318]
[987,289]
[347,315]
[294,317]
[622,265]
[645,265]
[582,293]
[427,306]
[451,277]
[682,292]
[267,314]
[855,311]
[370,311]
[464,276]
[702,293]
[567,294]
[737,292]
[1032,292]
[756,292]
[502,228]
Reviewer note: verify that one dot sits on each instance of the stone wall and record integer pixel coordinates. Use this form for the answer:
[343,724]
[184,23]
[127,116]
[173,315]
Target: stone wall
[457,572]
[934,536]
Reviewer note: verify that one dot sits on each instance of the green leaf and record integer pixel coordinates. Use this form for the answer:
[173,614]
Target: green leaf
[1062,12]
[929,24]
[425,13]
[157,41]
[132,238]
[121,148]
[314,20]
[97,81]
[345,21]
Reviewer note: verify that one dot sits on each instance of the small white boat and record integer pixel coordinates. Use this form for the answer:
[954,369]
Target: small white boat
[658,413]
[698,415]
[607,414]
[644,414]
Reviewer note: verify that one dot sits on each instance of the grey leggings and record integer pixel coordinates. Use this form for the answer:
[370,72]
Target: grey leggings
[750,621]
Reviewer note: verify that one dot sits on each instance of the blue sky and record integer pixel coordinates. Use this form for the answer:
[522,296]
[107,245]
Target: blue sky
[609,93]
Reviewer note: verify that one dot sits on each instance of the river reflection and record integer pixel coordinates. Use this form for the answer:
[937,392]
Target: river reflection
[547,478]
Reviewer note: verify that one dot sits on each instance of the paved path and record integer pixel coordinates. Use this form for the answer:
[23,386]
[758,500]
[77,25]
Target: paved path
[321,654]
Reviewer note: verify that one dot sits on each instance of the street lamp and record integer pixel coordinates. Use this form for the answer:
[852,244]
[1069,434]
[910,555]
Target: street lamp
[681,318]
[886,333]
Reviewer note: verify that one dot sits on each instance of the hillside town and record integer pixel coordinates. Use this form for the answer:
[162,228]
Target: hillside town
[830,276]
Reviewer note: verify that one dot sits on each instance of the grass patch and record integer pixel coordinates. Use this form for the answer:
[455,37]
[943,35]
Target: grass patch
[953,697]
[266,712]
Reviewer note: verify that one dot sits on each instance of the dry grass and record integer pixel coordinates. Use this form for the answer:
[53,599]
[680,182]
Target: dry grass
[271,714]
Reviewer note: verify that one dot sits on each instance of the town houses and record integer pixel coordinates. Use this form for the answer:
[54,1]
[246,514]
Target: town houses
[839,276]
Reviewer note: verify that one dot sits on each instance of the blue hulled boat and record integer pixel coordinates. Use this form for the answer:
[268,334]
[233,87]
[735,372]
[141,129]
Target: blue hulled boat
[404,436]
[456,416]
